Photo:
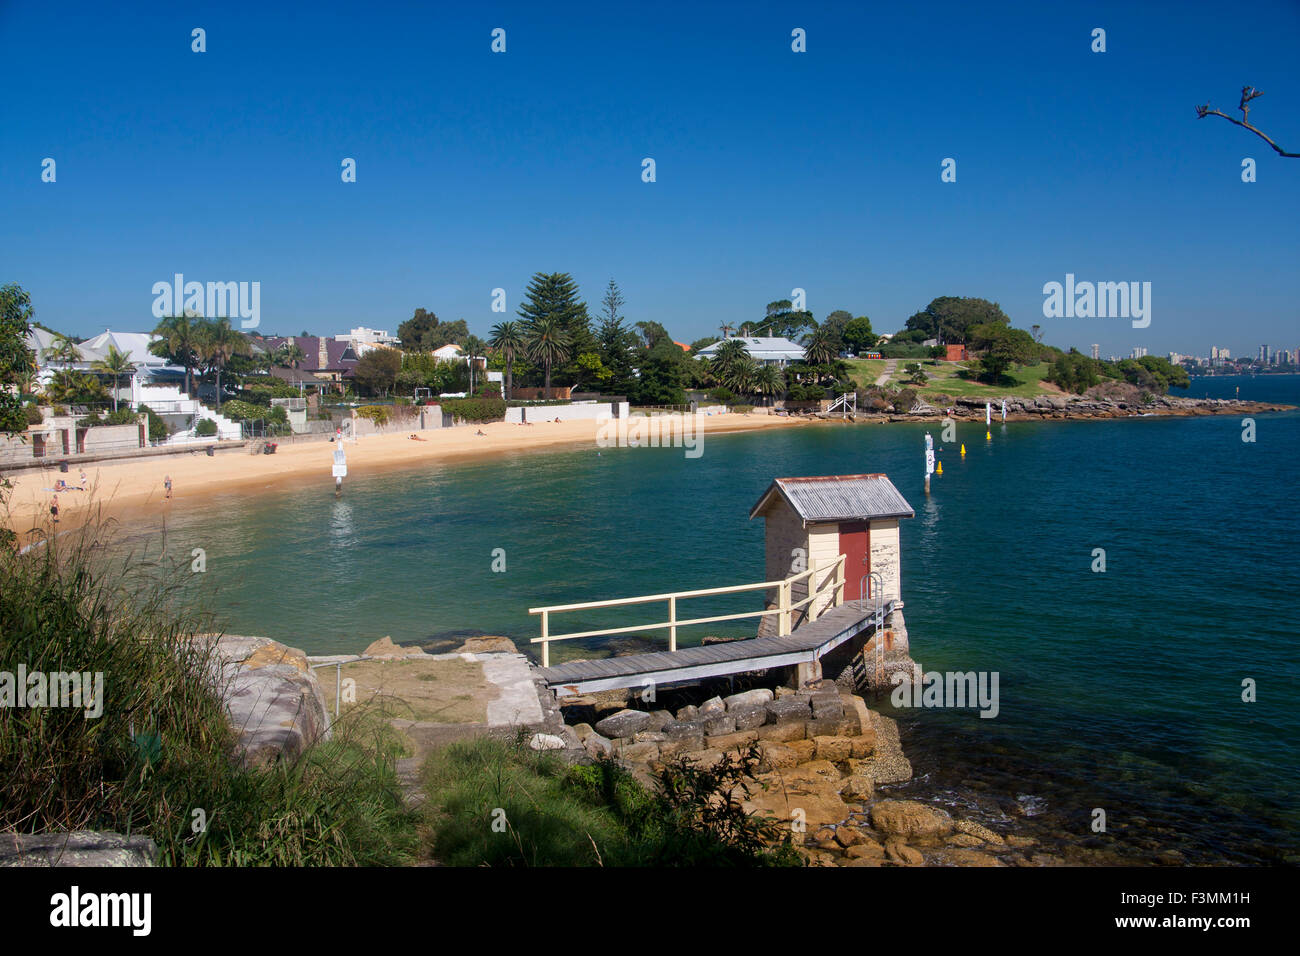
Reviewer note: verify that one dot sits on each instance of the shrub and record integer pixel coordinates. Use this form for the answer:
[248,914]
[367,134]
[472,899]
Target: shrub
[158,429]
[239,411]
[379,414]
[123,416]
[723,396]
[33,414]
[475,409]
[740,409]
[206,428]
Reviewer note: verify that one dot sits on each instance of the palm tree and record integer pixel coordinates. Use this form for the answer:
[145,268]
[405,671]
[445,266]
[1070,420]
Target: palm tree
[548,343]
[742,376]
[819,346]
[289,355]
[474,347]
[509,337]
[768,380]
[178,342]
[729,354]
[218,343]
[116,363]
[63,351]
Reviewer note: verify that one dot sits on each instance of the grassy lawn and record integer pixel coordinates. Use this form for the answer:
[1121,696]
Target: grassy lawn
[864,372]
[944,379]
[441,692]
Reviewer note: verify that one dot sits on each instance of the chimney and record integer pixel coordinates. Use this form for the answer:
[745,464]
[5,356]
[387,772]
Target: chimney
[323,355]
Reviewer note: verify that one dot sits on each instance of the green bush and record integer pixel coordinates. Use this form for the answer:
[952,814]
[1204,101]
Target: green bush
[379,414]
[238,410]
[475,409]
[206,428]
[598,815]
[162,745]
[33,413]
[740,409]
[723,396]
[123,416]
[158,429]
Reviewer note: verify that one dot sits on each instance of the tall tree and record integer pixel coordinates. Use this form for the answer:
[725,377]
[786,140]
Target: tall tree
[950,318]
[508,338]
[819,346]
[610,304]
[178,343]
[858,334]
[474,348]
[555,321]
[547,343]
[423,332]
[377,370]
[115,363]
[17,362]
[217,343]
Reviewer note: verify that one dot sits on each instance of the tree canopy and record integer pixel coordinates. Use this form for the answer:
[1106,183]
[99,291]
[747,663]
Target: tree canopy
[424,332]
[950,318]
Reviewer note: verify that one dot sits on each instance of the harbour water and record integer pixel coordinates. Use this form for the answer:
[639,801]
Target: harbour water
[1119,691]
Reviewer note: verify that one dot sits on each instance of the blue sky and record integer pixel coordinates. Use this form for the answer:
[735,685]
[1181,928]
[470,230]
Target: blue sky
[775,169]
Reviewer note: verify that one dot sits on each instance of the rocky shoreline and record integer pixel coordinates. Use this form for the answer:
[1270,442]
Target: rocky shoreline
[824,760]
[1061,407]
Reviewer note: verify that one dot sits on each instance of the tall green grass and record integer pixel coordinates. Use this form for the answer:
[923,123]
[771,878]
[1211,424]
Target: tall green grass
[498,803]
[158,761]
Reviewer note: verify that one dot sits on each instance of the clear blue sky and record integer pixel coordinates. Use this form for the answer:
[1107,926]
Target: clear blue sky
[775,170]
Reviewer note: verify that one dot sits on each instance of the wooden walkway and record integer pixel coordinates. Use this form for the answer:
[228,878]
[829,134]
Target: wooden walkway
[805,644]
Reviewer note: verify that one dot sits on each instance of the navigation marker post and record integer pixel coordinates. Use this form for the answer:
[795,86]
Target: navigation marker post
[340,468]
[929,460]
[988,422]
[1004,411]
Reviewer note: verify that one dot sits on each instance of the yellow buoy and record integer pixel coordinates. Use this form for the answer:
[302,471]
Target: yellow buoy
[988,436]
[939,469]
[963,451]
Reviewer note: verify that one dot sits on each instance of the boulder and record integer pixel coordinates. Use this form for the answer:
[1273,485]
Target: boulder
[741,739]
[847,836]
[674,746]
[487,645]
[786,710]
[623,723]
[582,731]
[747,699]
[76,848]
[979,832]
[689,712]
[857,788]
[781,733]
[720,724]
[713,705]
[385,650]
[959,856]
[636,753]
[912,821]
[867,849]
[899,852]
[776,756]
[705,759]
[834,749]
[598,746]
[659,719]
[684,728]
[649,736]
[546,742]
[827,706]
[748,717]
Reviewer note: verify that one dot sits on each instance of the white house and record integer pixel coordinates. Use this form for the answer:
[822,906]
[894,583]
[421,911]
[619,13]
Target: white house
[770,350]
[448,353]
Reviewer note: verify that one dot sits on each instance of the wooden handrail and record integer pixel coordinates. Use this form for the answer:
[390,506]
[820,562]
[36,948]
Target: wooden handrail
[784,608]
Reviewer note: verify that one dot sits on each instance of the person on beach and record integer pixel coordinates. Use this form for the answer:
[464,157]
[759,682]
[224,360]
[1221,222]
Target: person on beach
[167,486]
[481,432]
[54,508]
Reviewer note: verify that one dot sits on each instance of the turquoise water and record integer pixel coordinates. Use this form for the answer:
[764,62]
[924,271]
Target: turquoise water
[1118,690]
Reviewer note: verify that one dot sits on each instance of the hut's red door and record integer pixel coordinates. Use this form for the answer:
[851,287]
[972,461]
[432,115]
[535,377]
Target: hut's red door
[855,545]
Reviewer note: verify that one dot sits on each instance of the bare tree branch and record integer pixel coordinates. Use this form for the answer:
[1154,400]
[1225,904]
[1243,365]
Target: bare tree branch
[1248,93]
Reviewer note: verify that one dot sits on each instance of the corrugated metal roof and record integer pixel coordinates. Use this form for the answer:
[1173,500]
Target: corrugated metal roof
[839,498]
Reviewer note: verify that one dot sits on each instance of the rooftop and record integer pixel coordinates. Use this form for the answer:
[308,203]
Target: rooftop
[837,498]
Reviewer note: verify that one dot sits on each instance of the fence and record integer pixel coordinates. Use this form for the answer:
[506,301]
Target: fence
[833,587]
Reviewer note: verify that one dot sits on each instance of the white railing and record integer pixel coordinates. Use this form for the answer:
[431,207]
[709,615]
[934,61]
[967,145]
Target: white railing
[832,586]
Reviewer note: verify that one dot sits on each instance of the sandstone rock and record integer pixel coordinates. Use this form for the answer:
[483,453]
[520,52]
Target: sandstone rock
[841,727]
[659,719]
[623,723]
[979,832]
[637,753]
[649,736]
[748,718]
[675,746]
[857,788]
[719,724]
[964,857]
[900,852]
[546,742]
[964,840]
[684,728]
[486,645]
[689,712]
[847,836]
[864,745]
[867,848]
[827,707]
[741,739]
[705,759]
[786,710]
[776,756]
[824,835]
[833,749]
[76,848]
[748,699]
[1020,842]
[583,731]
[806,750]
[781,733]
[910,820]
[598,746]
[864,861]
[713,705]
[385,649]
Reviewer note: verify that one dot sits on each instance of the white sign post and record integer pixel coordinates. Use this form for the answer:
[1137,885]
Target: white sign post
[1004,409]
[340,469]
[929,460]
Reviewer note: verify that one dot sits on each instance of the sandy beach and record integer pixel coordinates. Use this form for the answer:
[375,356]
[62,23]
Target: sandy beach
[119,487]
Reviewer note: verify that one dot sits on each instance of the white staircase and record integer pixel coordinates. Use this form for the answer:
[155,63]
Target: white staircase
[177,403]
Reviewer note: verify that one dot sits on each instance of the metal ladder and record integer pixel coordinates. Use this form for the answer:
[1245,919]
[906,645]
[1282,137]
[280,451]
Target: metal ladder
[876,595]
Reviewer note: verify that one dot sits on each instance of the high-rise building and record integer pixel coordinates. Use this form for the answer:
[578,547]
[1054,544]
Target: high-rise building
[1096,351]
[1138,352]
[1264,354]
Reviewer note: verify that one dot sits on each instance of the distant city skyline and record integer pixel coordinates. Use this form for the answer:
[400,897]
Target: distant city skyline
[773,169]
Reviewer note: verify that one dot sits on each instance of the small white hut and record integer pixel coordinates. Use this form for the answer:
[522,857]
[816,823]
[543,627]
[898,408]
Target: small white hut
[811,521]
